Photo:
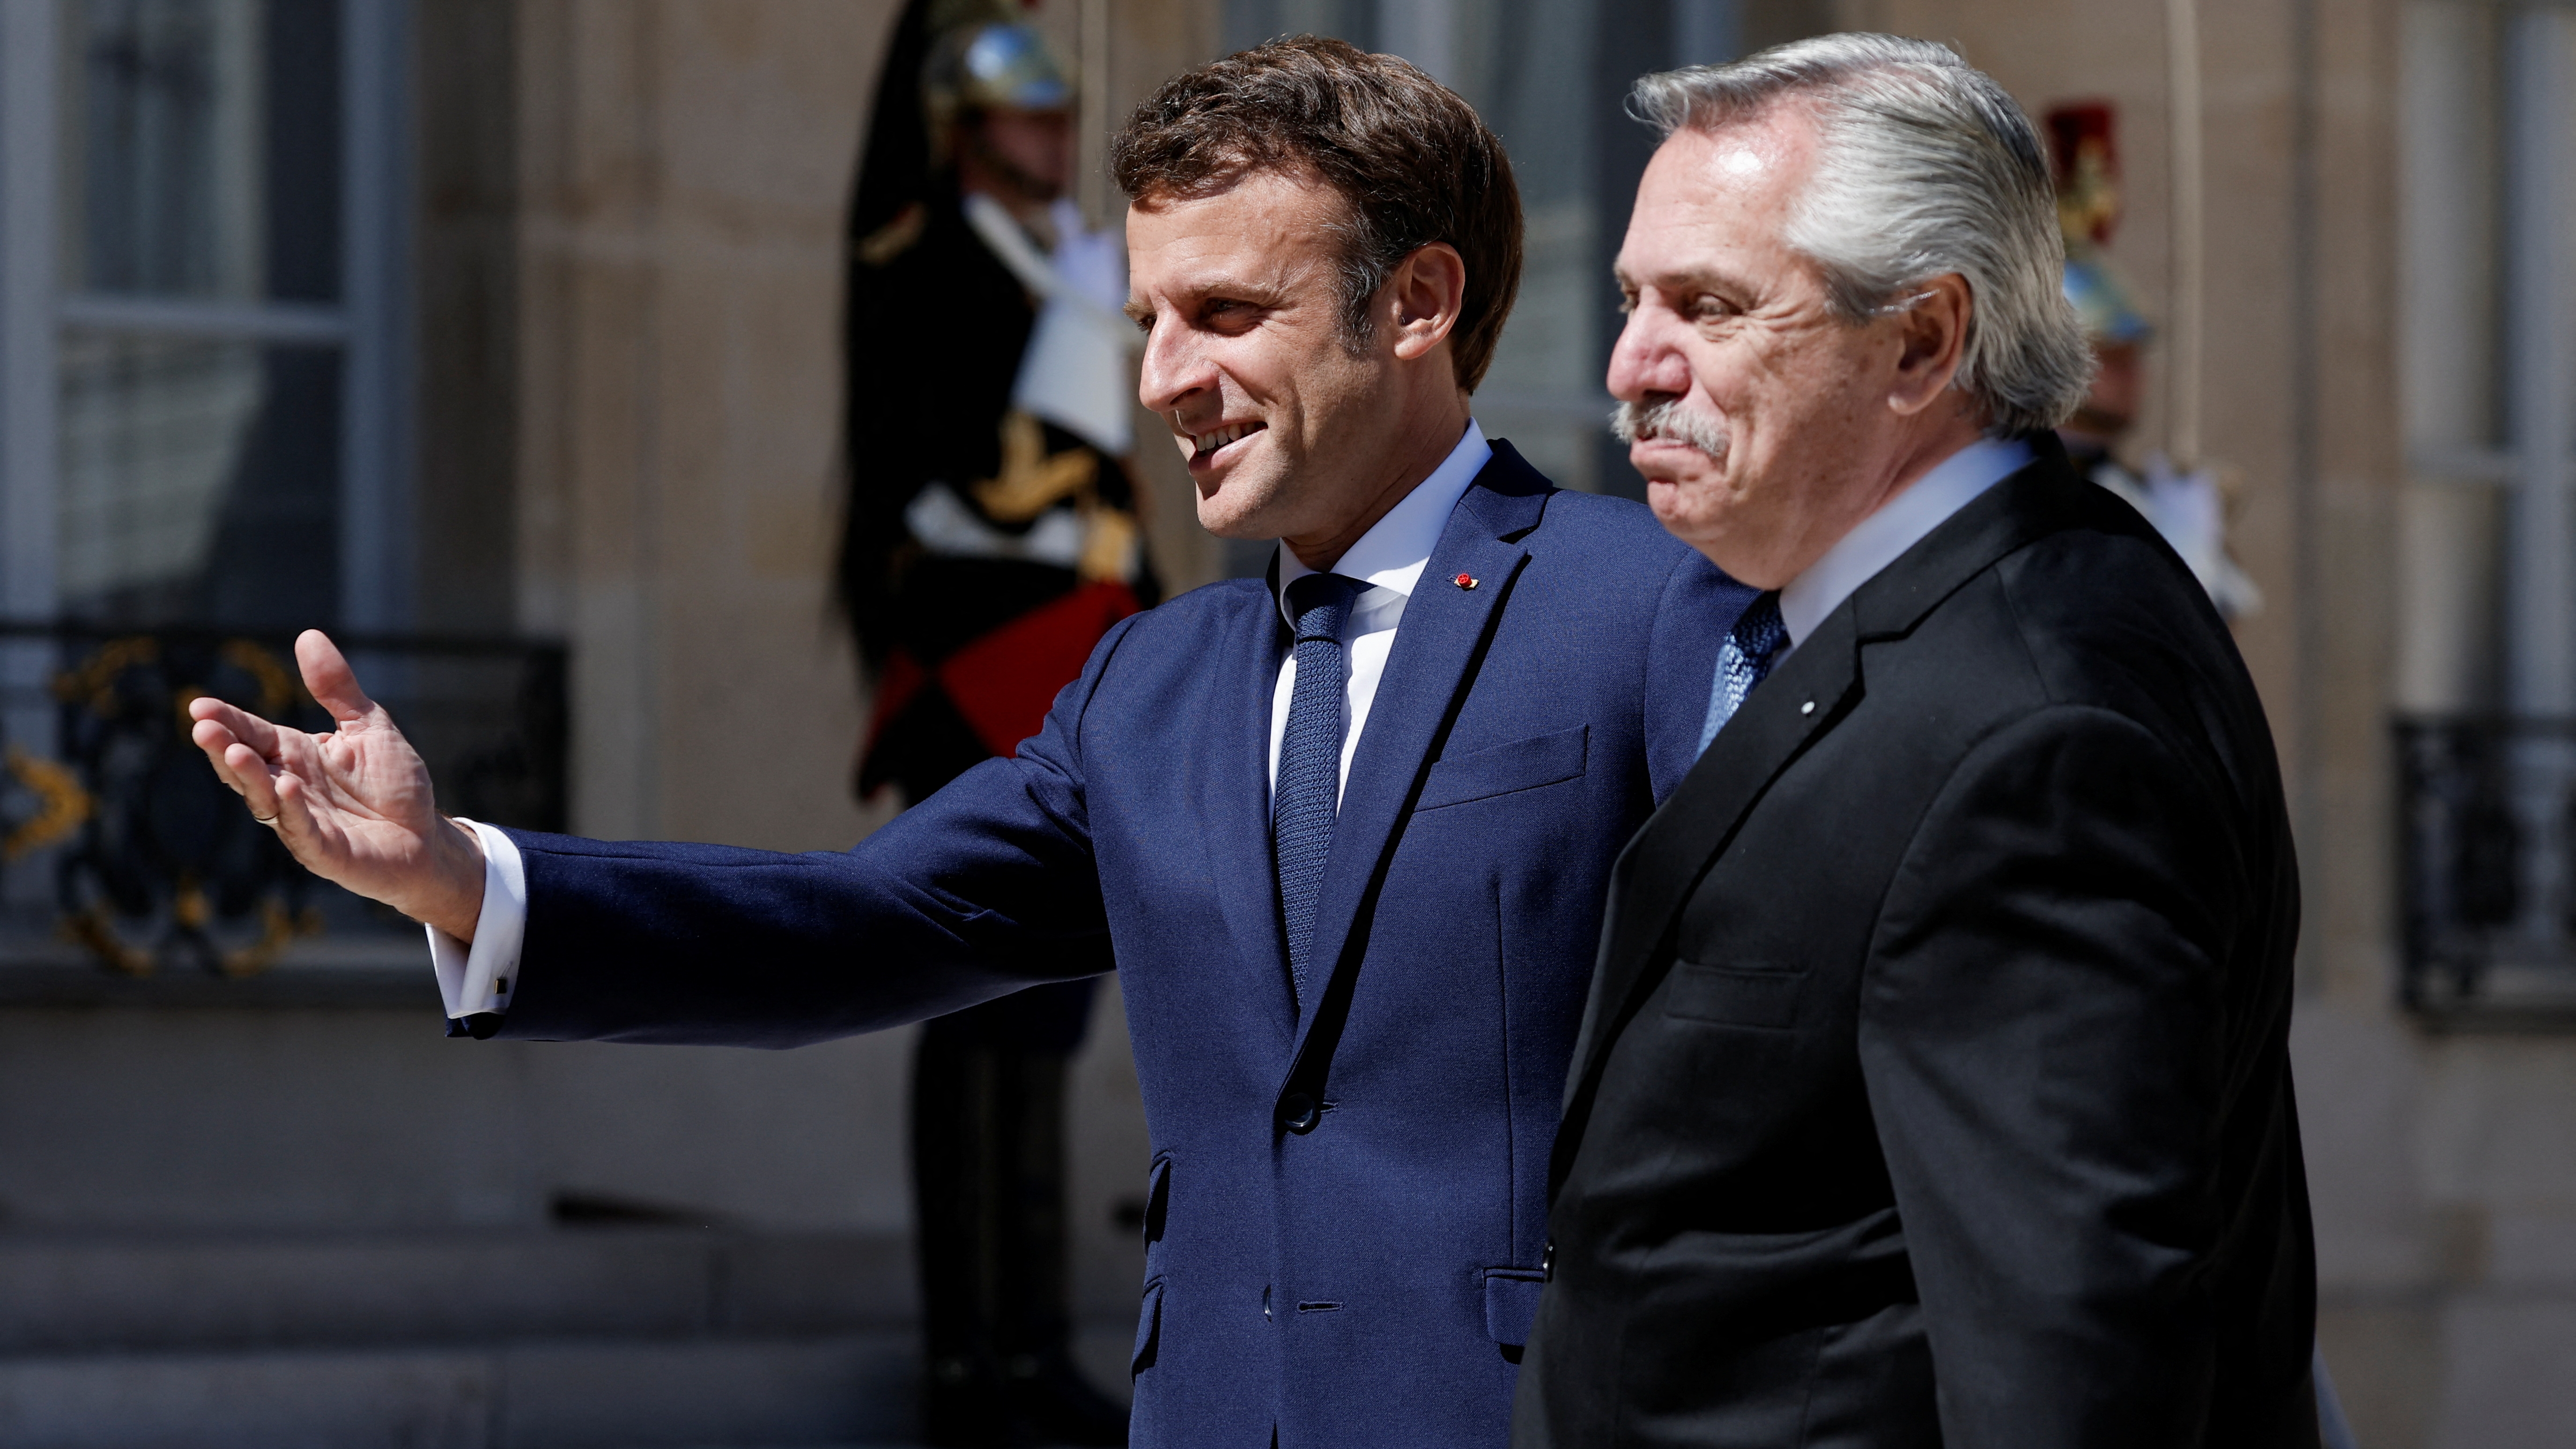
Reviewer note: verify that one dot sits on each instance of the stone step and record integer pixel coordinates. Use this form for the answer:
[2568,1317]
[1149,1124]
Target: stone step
[62,1294]
[849,1389]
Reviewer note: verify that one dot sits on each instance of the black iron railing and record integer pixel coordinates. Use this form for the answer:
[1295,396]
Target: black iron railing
[2487,868]
[117,843]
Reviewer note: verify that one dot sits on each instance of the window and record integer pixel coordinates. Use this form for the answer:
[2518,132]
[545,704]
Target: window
[203,373]
[2486,628]
[203,385]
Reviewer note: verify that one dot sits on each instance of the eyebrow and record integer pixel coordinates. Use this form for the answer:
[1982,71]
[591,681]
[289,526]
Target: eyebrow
[1681,281]
[1259,294]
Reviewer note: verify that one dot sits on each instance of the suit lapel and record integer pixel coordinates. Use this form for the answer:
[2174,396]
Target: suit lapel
[1810,693]
[1663,864]
[1234,802]
[1427,675]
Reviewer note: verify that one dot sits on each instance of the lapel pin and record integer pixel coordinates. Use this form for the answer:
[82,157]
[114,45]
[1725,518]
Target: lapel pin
[1466,581]
[1808,708]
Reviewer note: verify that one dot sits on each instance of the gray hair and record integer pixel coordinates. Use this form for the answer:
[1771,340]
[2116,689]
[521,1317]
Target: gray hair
[1924,166]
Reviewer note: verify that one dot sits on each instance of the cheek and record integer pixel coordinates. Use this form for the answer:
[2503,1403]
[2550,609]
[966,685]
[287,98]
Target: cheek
[1261,371]
[1745,387]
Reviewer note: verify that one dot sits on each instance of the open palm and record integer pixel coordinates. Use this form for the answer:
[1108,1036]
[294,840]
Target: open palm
[354,805]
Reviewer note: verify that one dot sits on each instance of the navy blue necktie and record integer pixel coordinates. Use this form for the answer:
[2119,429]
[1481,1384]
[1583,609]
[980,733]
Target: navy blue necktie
[1307,795]
[1743,660]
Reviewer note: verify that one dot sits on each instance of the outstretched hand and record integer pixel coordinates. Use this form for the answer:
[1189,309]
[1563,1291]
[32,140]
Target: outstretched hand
[353,805]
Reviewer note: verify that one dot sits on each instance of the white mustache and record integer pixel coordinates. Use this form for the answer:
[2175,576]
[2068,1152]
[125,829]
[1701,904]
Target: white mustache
[1672,421]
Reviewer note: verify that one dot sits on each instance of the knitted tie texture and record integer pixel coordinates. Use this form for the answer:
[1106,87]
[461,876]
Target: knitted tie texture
[1742,661]
[1308,794]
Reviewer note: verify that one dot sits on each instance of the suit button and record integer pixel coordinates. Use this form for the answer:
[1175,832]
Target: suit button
[1547,1262]
[1297,1112]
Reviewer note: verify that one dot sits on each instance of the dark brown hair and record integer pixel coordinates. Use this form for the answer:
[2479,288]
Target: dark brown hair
[1411,159]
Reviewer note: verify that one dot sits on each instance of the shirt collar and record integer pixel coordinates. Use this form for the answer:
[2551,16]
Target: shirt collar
[1393,553]
[1899,524]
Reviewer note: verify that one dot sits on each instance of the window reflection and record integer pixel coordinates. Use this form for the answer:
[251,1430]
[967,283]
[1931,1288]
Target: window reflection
[198,482]
[200,205]
[200,148]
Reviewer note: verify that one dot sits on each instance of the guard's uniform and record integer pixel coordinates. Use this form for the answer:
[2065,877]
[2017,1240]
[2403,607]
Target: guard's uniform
[987,550]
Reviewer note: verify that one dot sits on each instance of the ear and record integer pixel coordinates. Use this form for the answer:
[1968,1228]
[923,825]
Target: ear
[1932,333]
[1421,301]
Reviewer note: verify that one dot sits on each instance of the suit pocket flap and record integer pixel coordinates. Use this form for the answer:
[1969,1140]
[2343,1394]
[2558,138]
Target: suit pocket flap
[1734,995]
[1158,1211]
[1502,769]
[1511,1303]
[1158,1196]
[1149,1328]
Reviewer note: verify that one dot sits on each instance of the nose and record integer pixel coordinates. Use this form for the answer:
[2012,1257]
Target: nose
[1175,368]
[1647,363]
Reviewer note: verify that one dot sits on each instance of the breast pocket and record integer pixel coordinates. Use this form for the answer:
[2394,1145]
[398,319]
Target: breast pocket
[1750,994]
[1504,769]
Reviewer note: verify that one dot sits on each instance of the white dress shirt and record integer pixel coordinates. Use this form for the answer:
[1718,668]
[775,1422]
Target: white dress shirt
[1899,524]
[1389,558]
[479,978]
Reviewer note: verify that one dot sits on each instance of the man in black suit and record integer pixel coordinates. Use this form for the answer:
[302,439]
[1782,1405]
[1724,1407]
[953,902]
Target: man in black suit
[1933,1085]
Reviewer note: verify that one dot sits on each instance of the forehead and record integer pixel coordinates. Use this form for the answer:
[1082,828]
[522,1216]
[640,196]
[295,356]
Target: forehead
[1718,198]
[1270,227]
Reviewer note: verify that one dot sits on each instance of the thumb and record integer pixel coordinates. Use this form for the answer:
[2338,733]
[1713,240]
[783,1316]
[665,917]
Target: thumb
[327,674]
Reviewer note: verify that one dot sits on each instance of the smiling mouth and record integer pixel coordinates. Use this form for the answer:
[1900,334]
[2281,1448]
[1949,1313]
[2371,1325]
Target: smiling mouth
[1202,444]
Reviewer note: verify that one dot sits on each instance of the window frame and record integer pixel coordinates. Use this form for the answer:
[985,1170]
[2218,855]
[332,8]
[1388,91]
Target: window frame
[371,326]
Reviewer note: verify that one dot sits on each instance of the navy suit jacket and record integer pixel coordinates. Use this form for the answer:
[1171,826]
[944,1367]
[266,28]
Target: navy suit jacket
[1347,1200]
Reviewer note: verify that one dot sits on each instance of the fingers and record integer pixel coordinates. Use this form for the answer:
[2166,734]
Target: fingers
[250,774]
[292,814]
[235,723]
[215,740]
[327,674]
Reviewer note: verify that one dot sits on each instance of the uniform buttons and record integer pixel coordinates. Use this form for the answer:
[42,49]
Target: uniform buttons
[1297,1112]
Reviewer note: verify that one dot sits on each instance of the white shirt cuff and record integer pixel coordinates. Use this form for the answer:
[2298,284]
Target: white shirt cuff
[479,979]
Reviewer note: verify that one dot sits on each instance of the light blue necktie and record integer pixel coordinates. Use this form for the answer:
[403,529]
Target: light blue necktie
[1742,661]
[1307,796]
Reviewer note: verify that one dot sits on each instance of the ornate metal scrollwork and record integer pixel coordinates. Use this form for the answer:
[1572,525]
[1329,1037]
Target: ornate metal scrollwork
[2487,869]
[155,866]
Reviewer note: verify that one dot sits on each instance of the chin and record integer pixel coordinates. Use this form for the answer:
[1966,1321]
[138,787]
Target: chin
[1671,502]
[1226,514]
[1239,503]
[1688,513]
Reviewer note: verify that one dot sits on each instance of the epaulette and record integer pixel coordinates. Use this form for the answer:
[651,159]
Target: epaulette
[895,237]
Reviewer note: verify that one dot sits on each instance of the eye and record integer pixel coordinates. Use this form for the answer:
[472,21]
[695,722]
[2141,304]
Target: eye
[1710,307]
[1229,315]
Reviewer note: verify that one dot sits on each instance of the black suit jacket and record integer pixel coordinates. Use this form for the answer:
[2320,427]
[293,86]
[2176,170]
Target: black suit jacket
[1934,1087]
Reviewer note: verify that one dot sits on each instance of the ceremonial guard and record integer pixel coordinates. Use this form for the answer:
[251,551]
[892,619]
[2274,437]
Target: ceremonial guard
[991,541]
[2184,500]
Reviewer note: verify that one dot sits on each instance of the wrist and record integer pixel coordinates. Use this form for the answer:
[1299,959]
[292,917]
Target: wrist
[455,898]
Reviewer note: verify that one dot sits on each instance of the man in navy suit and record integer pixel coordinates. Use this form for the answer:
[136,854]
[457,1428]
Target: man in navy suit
[1344,834]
